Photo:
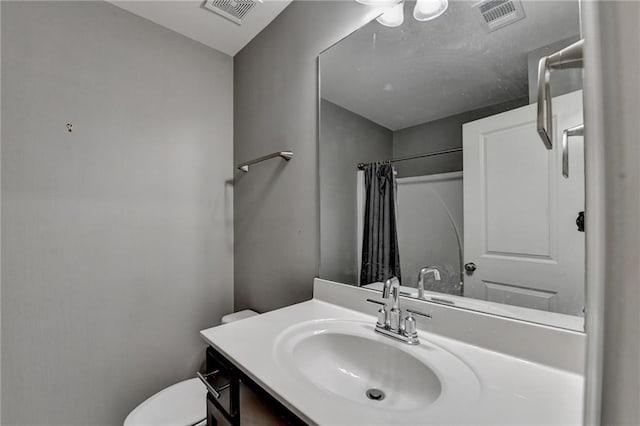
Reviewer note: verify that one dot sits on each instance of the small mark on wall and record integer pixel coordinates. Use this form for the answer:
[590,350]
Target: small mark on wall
[69,127]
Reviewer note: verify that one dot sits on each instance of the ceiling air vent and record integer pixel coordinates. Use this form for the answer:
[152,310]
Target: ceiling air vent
[233,10]
[494,14]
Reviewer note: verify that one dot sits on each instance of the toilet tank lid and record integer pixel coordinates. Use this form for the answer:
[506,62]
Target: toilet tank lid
[180,404]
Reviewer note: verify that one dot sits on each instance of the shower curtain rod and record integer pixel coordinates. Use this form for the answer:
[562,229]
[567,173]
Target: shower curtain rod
[411,157]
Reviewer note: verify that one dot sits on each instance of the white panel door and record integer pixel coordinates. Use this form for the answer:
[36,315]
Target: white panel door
[520,212]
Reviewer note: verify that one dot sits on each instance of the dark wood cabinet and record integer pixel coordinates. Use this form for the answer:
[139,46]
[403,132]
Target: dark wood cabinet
[241,398]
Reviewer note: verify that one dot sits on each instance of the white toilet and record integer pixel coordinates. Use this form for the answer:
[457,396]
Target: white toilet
[181,404]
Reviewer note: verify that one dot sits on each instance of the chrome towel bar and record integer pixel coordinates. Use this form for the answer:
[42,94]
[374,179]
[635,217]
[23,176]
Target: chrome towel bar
[285,155]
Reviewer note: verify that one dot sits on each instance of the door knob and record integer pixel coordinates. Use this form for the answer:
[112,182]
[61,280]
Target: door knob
[470,267]
[580,221]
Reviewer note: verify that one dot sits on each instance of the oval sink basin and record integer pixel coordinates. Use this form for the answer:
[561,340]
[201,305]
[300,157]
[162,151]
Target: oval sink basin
[350,366]
[348,360]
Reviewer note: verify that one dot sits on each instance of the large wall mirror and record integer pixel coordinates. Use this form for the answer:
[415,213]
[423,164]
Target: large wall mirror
[432,169]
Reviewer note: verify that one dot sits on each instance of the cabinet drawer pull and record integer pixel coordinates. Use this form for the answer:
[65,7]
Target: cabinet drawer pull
[215,392]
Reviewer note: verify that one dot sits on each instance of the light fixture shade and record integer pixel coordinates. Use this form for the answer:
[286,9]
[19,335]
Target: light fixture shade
[427,10]
[393,17]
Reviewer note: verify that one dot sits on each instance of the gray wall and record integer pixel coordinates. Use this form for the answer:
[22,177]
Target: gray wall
[346,139]
[117,238]
[620,82]
[0,217]
[437,135]
[275,107]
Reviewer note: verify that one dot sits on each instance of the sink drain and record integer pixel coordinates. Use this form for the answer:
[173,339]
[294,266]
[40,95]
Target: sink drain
[375,394]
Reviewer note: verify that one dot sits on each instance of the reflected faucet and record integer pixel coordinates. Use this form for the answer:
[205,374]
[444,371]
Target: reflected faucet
[421,278]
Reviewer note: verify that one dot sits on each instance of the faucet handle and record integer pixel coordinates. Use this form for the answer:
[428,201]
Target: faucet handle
[382,313]
[422,314]
[382,317]
[410,329]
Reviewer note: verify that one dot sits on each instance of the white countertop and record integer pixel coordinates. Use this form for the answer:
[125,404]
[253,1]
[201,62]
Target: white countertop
[513,391]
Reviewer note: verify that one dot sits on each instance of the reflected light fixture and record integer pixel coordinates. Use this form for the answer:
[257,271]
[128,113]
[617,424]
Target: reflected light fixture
[427,10]
[394,17]
[379,2]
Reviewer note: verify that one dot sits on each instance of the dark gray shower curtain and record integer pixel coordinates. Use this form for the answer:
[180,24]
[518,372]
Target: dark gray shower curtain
[380,257]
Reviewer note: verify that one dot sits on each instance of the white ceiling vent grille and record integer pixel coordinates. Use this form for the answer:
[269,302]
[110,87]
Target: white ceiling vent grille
[494,14]
[233,10]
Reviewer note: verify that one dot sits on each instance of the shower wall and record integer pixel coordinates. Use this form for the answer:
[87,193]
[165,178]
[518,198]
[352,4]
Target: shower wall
[430,220]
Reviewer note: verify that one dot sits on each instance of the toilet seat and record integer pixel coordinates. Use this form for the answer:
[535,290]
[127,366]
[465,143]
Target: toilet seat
[183,404]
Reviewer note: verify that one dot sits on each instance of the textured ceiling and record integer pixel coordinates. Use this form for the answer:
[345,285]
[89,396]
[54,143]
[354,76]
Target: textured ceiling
[189,18]
[423,71]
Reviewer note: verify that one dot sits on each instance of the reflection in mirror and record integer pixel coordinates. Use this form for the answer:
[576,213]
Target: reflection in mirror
[432,169]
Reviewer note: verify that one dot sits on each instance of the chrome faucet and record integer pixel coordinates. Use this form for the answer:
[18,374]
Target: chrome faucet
[391,323]
[395,314]
[421,278]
